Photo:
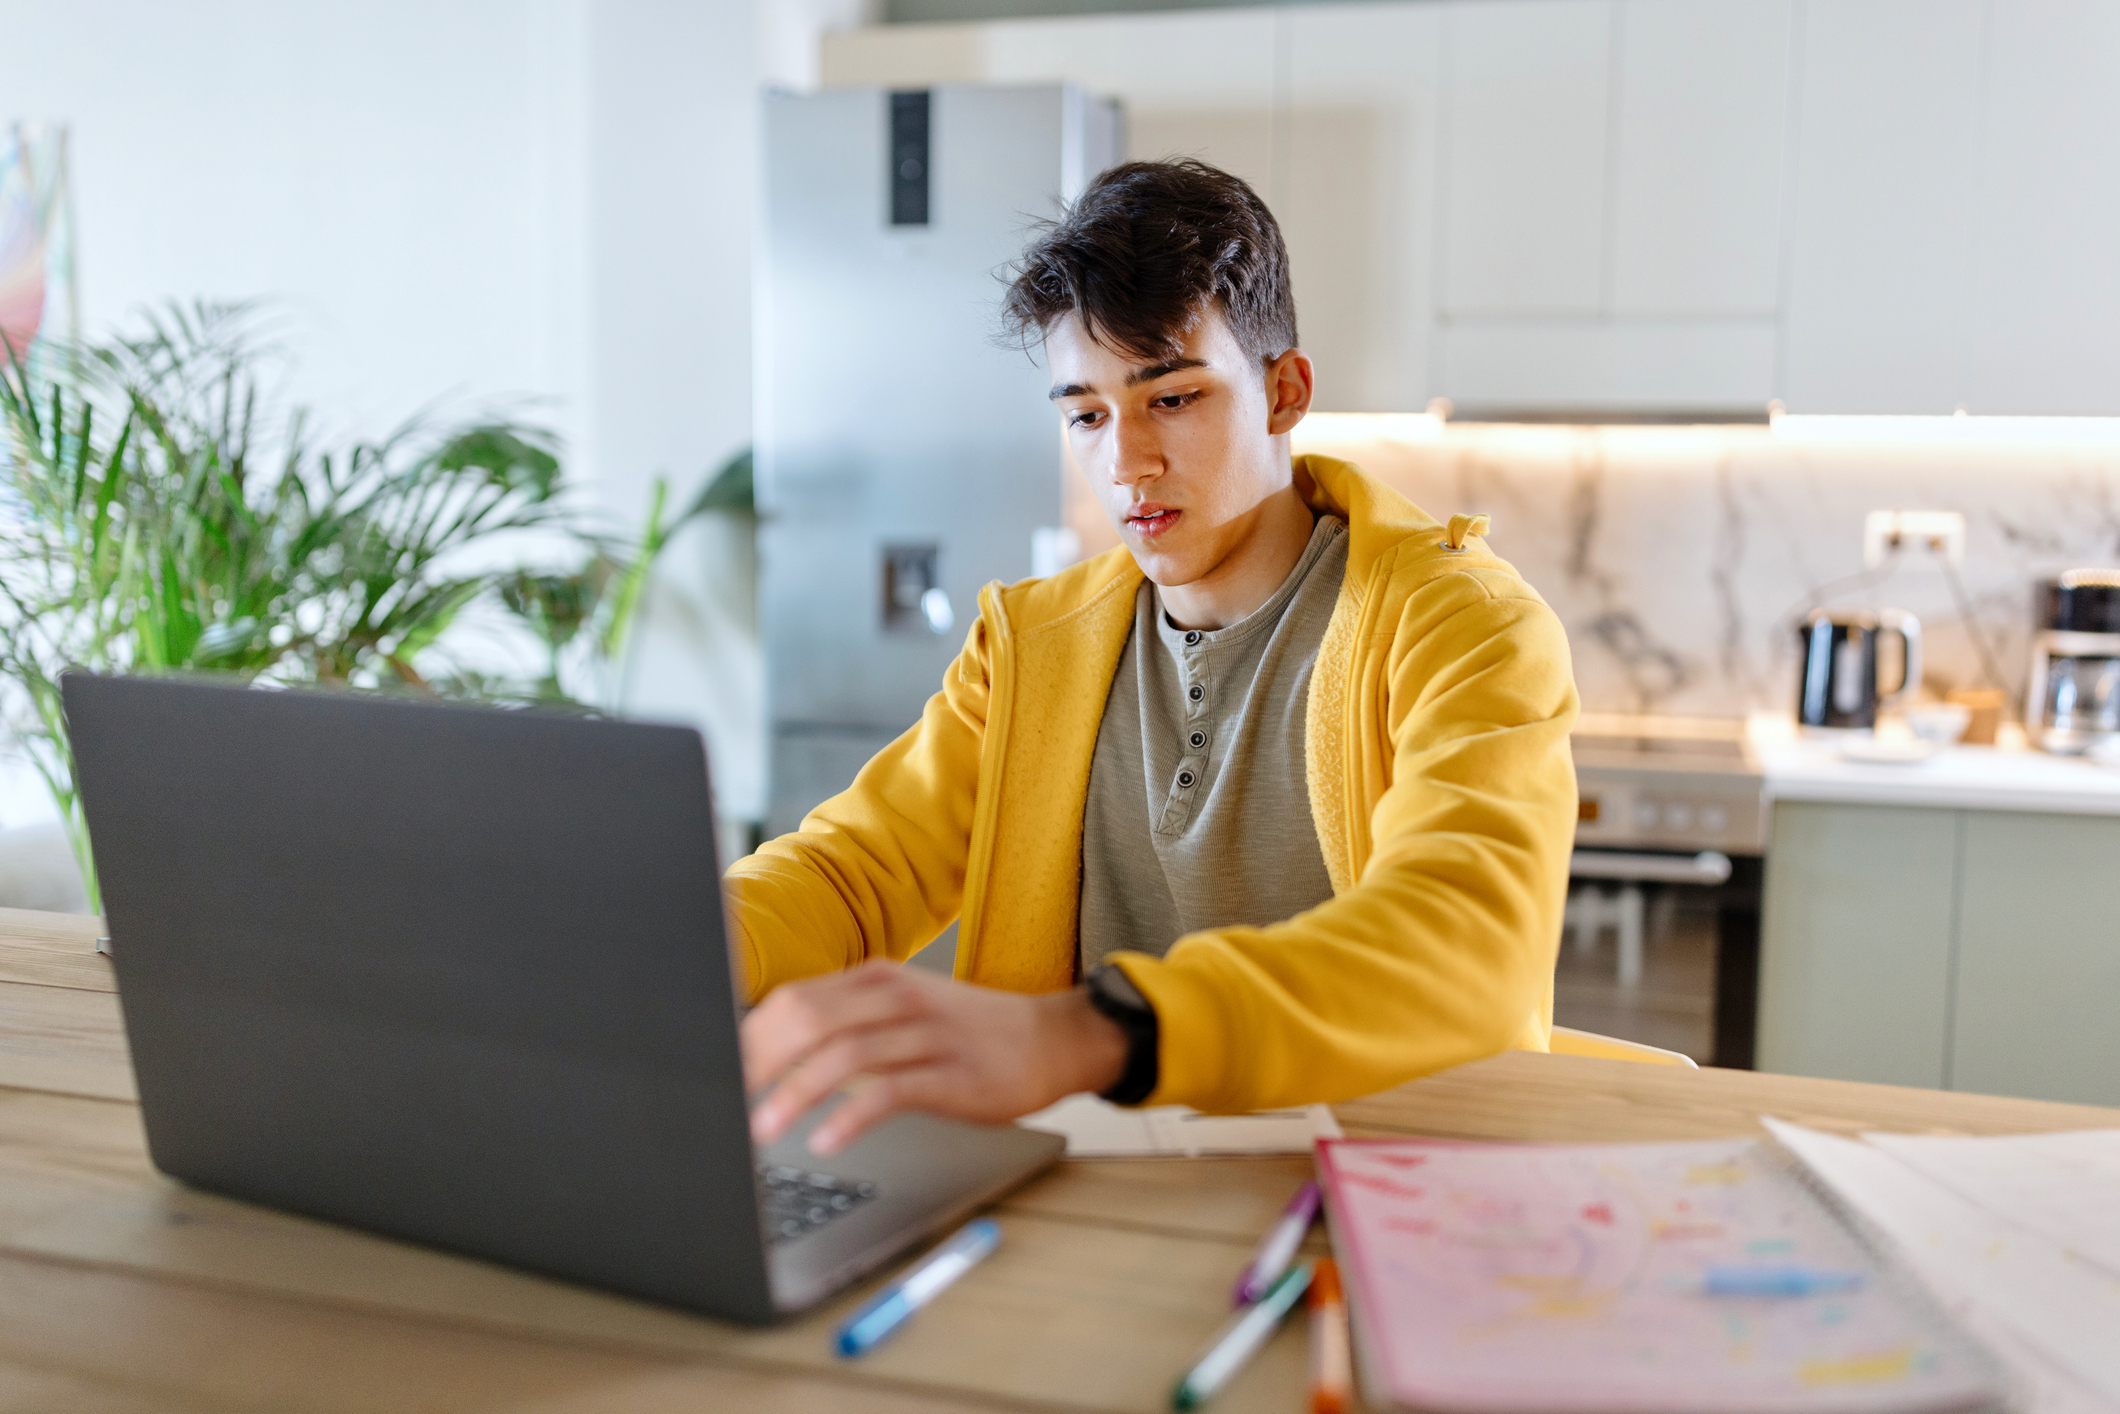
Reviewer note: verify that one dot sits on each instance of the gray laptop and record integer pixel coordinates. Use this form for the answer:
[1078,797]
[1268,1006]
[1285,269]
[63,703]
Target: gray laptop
[459,975]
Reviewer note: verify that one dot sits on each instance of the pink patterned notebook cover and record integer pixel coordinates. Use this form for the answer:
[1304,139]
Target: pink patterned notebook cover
[1521,1277]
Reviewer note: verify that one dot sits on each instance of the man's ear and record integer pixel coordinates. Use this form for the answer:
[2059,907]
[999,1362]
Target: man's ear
[1290,380]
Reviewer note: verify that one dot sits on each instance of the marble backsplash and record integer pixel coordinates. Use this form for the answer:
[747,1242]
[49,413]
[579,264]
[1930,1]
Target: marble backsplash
[1682,559]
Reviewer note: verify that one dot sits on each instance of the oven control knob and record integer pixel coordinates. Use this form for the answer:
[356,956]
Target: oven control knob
[1646,814]
[1714,819]
[1678,816]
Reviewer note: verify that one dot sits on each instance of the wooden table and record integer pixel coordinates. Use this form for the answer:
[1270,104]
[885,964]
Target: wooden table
[120,1291]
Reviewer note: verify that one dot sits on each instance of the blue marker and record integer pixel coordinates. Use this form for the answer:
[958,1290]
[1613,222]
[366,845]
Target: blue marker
[894,1305]
[1777,1281]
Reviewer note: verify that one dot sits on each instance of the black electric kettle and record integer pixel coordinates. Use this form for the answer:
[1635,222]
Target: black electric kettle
[1839,686]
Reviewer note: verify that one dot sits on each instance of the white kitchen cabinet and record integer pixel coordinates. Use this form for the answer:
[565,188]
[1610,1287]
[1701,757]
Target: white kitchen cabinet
[1611,189]
[1880,252]
[2046,209]
[1861,206]
[1964,949]
[1527,104]
[1612,365]
[1355,193]
[1700,121]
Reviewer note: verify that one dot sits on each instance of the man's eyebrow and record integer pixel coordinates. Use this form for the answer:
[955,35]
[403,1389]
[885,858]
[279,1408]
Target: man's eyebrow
[1154,371]
[1133,380]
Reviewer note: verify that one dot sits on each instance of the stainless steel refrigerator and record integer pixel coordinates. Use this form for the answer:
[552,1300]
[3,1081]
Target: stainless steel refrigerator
[905,455]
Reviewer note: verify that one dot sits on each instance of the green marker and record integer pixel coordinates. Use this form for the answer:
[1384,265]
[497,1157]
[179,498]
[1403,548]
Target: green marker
[1239,1340]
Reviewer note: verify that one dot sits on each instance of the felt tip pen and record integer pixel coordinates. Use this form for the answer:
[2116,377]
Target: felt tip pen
[894,1305]
[1279,1247]
[1239,1340]
[1331,1354]
[1777,1281]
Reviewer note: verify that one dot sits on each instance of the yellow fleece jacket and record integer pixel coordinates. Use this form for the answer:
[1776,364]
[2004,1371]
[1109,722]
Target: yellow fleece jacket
[1441,786]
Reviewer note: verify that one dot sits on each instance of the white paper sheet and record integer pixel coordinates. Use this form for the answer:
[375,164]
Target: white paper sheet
[1097,1129]
[2063,1186]
[2052,1318]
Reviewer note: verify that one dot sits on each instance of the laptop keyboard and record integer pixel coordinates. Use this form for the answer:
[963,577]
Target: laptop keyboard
[797,1203]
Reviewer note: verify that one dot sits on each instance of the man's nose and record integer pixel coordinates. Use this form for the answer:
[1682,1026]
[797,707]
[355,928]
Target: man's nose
[1137,455]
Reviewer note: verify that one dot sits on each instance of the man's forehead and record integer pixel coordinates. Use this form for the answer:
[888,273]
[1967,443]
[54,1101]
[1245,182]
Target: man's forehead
[1205,340]
[1081,362]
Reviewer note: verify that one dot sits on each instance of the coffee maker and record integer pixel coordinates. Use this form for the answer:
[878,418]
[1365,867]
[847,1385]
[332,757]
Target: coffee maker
[2073,701]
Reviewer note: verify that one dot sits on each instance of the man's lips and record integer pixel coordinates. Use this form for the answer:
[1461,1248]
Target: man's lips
[1151,520]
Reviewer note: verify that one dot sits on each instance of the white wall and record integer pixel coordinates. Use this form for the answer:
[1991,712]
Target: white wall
[384,170]
[672,173]
[484,199]
[788,35]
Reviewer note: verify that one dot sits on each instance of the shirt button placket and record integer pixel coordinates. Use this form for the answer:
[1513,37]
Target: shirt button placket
[1192,763]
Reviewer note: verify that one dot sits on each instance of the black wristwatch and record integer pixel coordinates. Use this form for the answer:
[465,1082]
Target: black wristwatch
[1115,996]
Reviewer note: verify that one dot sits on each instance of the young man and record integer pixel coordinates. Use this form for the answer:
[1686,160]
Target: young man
[1272,804]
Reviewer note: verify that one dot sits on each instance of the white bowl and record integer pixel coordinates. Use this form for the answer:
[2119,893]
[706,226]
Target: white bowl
[1889,751]
[1939,723]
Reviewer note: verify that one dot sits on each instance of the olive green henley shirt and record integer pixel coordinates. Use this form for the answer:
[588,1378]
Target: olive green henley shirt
[1199,801]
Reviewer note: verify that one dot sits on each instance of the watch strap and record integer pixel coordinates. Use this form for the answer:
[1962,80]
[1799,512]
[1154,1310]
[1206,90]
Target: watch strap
[1114,995]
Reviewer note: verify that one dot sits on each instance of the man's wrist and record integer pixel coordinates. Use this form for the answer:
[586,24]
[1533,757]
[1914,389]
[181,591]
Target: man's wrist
[1090,1050]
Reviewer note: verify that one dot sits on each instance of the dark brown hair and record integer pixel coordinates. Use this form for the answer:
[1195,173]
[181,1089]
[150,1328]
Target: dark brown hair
[1145,251]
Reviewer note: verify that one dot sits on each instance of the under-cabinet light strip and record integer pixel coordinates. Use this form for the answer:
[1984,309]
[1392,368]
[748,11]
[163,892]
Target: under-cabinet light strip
[1836,427]
[1329,428]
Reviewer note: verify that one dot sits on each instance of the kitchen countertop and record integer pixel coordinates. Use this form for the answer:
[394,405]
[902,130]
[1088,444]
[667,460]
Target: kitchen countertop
[1809,768]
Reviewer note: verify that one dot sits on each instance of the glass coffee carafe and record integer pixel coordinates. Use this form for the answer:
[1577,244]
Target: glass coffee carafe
[2073,702]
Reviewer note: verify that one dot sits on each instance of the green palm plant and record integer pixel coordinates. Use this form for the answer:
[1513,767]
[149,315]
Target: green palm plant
[154,516]
[604,596]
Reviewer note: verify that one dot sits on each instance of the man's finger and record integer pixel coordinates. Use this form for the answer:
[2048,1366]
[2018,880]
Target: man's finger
[871,1052]
[801,1016]
[921,1087]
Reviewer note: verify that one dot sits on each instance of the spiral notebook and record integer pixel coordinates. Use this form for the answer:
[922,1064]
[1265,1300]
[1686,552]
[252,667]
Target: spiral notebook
[2018,1237]
[1581,1279]
[1098,1129]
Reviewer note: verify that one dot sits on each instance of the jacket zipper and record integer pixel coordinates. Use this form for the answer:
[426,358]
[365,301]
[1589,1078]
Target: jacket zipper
[993,749]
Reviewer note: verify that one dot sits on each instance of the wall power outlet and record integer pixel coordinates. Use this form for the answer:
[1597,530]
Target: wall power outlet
[1940,533]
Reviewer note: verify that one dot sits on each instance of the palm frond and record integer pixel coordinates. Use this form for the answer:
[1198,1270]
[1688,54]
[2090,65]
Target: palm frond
[157,512]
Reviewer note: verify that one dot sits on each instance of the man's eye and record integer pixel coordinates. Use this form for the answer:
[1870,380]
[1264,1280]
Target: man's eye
[1084,419]
[1173,400]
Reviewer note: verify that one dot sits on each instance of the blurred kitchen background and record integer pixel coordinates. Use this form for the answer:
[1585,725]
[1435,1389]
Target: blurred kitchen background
[1731,313]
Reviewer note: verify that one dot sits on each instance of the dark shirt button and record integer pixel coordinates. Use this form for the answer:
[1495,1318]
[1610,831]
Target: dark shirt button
[1196,692]
[1193,636]
[1198,739]
[1185,780]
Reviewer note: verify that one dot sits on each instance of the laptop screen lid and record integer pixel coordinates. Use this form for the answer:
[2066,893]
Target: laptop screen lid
[446,972]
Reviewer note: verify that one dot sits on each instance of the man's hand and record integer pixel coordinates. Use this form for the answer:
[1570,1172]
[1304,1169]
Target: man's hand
[926,1043]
